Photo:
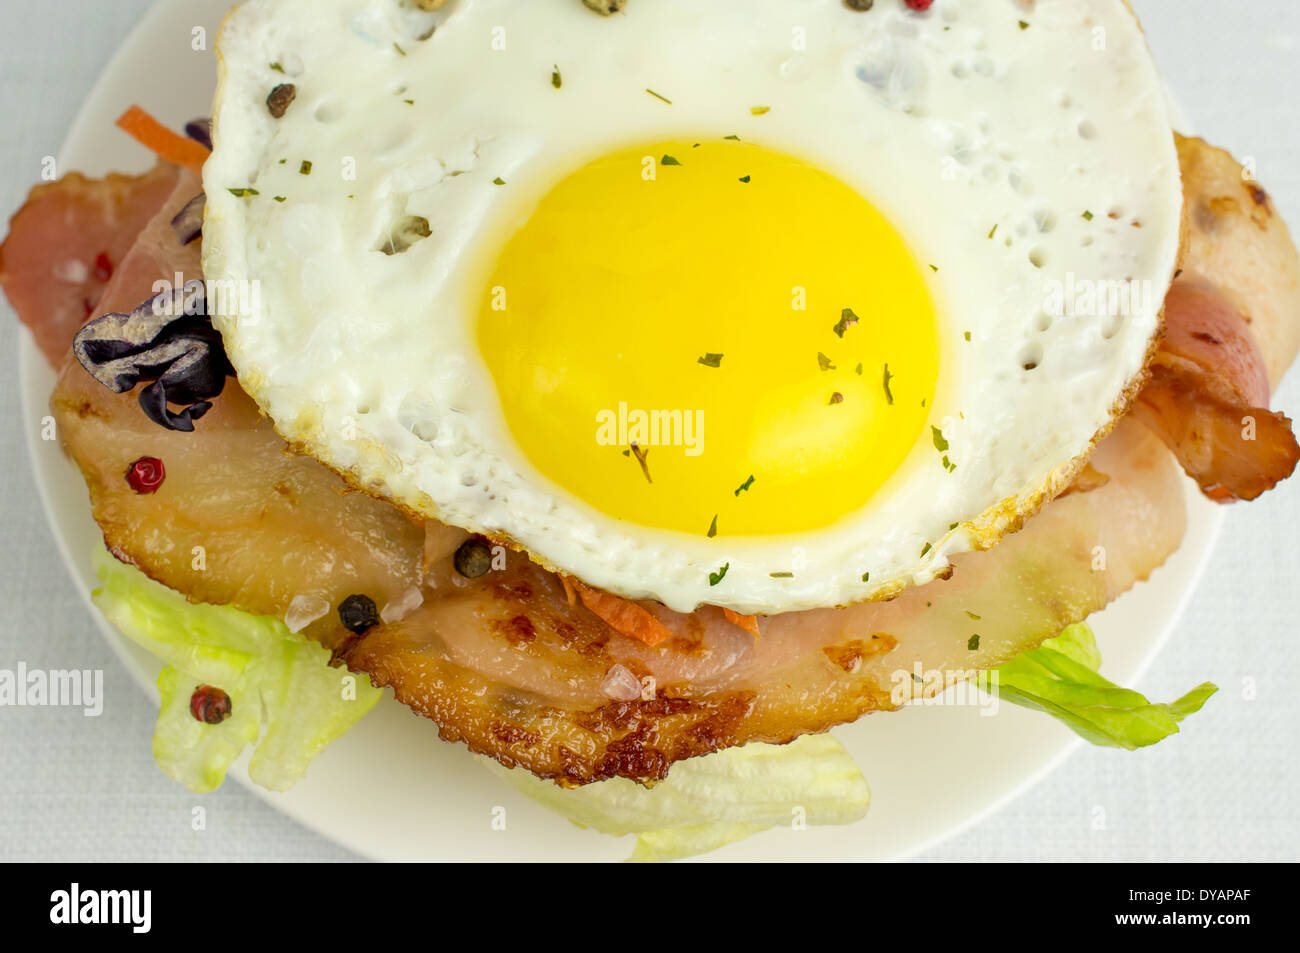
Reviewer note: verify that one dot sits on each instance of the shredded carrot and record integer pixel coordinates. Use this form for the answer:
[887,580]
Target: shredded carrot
[157,138]
[747,622]
[569,592]
[624,617]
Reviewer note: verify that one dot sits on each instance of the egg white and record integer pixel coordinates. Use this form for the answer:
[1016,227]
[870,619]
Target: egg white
[953,122]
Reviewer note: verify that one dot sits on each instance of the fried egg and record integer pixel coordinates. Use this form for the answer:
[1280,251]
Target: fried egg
[766,304]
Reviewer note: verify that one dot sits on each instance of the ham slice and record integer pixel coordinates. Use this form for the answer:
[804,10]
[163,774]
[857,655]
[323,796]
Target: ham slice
[66,243]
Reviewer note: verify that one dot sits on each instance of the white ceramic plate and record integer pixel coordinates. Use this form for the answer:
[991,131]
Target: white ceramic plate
[392,790]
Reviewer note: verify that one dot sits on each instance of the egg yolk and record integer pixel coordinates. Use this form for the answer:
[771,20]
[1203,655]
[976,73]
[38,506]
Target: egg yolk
[711,337]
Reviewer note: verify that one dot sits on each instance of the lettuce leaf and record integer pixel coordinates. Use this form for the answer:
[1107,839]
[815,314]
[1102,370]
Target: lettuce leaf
[275,679]
[714,800]
[1060,678]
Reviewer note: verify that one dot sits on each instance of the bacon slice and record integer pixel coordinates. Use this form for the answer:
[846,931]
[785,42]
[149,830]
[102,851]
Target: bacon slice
[505,663]
[1238,243]
[1232,327]
[66,242]
[1207,397]
[240,519]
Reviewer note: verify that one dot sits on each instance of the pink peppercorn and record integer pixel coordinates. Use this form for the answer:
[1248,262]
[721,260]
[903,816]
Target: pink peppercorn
[210,705]
[146,475]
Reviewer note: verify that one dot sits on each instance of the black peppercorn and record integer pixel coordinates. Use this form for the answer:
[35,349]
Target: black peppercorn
[358,613]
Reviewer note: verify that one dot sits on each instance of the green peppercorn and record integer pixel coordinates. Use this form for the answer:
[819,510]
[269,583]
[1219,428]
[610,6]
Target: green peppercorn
[605,7]
[473,558]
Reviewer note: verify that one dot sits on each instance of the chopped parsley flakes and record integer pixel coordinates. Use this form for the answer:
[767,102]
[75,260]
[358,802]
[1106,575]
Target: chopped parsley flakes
[717,577]
[745,486]
[641,458]
[710,360]
[846,321]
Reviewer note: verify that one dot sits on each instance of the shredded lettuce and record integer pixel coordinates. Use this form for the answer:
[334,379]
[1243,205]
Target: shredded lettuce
[275,679]
[714,800]
[1060,678]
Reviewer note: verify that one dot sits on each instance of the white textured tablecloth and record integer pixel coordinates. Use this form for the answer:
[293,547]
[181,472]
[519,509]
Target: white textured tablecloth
[77,788]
